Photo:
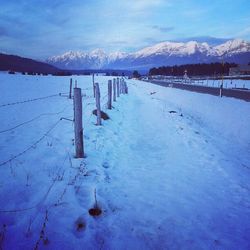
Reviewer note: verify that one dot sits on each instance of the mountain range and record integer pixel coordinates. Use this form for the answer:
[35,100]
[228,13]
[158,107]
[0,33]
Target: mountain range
[161,54]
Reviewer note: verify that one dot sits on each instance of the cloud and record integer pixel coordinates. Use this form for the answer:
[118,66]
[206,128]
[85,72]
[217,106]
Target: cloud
[208,39]
[165,29]
[49,27]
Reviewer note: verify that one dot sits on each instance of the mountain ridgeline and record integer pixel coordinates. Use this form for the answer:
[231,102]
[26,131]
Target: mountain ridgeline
[161,54]
[21,64]
[164,57]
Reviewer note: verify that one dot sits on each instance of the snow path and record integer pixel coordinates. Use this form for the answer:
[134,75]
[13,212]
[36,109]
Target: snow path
[164,180]
[170,188]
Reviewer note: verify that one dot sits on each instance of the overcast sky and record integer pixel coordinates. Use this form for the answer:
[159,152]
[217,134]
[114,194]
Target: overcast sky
[39,29]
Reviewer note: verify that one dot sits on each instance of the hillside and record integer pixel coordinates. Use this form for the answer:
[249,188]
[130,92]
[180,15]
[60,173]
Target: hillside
[21,64]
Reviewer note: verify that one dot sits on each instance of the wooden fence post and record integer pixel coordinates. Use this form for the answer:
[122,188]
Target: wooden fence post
[93,83]
[70,88]
[109,94]
[98,104]
[122,87]
[79,148]
[114,90]
[126,88]
[118,87]
[221,90]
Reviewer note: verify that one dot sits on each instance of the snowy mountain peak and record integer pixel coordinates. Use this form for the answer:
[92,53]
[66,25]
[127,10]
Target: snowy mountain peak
[117,55]
[70,55]
[98,53]
[164,53]
[233,46]
[73,53]
[175,48]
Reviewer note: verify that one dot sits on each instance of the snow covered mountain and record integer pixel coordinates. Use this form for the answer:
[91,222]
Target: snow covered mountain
[165,53]
[233,47]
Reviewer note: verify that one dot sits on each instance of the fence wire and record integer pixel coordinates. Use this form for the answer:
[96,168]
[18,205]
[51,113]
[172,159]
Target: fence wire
[31,120]
[32,146]
[30,100]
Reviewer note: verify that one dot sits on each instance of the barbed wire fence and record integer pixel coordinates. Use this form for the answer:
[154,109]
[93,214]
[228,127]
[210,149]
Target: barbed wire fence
[49,132]
[33,119]
[120,90]
[30,100]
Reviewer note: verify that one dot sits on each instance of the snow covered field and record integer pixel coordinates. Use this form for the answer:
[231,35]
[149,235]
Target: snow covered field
[170,169]
[227,83]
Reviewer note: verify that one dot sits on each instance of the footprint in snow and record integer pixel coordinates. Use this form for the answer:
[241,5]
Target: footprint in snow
[107,177]
[105,165]
[79,227]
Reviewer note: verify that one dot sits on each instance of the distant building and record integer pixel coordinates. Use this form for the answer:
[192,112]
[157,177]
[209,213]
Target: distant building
[240,70]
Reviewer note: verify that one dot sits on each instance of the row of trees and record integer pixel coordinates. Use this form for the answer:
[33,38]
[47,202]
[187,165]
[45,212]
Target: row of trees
[203,69]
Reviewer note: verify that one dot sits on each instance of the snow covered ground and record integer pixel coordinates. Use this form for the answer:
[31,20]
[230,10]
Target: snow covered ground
[227,83]
[170,169]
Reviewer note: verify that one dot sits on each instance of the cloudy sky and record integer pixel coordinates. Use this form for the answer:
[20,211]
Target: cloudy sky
[39,29]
